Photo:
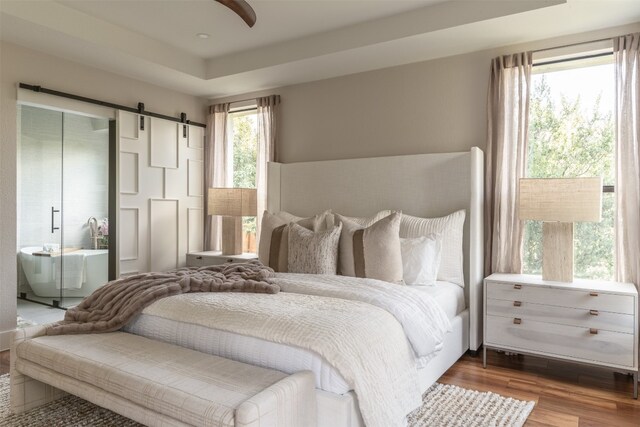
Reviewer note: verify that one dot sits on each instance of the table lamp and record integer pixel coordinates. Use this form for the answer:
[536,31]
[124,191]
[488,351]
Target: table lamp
[232,204]
[559,202]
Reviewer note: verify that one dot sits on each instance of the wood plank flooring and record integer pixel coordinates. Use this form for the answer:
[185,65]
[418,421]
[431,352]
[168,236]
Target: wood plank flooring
[565,394]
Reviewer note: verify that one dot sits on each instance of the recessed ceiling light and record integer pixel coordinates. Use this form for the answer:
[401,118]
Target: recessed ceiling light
[203,35]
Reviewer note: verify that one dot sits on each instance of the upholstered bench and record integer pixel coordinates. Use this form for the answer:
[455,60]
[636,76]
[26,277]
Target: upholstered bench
[156,383]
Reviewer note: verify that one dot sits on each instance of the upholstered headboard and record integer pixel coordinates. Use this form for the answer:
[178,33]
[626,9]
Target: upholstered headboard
[425,185]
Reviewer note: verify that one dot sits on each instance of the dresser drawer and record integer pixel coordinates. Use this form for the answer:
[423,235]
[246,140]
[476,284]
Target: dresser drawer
[562,297]
[561,340]
[194,260]
[579,317]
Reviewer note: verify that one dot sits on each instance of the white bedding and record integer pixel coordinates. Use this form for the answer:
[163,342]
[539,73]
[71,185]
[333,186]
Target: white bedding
[370,346]
[258,352]
[449,296]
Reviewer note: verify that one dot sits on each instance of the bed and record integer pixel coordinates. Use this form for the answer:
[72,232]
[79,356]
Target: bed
[425,185]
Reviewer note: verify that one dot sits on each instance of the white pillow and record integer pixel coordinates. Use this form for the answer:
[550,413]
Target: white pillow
[451,230]
[421,259]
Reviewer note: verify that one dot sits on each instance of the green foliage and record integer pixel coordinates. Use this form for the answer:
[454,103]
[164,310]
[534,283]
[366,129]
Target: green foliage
[245,157]
[569,139]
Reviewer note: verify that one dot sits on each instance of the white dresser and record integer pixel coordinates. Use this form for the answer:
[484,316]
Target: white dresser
[587,321]
[200,259]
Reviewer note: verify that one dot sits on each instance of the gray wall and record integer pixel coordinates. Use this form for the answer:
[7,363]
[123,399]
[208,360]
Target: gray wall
[426,107]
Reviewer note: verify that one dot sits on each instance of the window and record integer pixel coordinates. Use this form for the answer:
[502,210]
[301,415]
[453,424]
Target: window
[243,133]
[571,134]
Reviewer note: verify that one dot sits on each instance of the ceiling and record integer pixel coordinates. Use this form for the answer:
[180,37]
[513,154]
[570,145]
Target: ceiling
[293,41]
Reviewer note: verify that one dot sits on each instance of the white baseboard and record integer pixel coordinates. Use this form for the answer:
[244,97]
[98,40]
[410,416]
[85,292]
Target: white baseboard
[5,339]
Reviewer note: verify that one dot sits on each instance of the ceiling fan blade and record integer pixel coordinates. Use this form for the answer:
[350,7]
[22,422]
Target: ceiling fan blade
[242,9]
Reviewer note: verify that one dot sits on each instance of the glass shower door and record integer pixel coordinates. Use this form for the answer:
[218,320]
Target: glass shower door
[39,204]
[63,205]
[85,201]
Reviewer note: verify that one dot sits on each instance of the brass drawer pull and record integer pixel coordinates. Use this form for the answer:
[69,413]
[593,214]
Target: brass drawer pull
[593,312]
[517,303]
[517,286]
[230,260]
[517,321]
[198,257]
[593,331]
[593,294]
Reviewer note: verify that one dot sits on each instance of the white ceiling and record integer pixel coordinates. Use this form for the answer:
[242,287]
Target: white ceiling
[293,41]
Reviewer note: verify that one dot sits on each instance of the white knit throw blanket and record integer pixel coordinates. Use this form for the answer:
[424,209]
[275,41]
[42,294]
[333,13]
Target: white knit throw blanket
[365,343]
[424,322]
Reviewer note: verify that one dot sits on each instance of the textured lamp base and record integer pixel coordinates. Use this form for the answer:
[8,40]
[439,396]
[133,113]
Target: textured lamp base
[231,235]
[557,251]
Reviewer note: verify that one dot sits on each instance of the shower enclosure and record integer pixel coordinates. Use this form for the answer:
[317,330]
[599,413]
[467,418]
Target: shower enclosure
[63,205]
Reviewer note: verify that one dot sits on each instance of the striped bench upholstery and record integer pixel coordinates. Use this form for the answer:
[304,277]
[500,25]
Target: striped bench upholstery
[156,383]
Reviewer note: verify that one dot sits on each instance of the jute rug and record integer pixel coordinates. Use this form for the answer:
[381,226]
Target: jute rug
[443,406]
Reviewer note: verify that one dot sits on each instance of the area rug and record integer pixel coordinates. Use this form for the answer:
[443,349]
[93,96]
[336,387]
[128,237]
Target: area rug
[443,406]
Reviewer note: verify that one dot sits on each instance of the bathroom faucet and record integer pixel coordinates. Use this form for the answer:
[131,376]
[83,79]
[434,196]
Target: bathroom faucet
[93,231]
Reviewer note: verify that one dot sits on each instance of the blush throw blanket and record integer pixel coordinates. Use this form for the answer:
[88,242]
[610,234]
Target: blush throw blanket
[113,305]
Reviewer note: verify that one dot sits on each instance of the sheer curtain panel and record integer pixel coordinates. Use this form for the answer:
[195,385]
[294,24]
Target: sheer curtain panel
[626,50]
[268,108]
[508,121]
[216,170]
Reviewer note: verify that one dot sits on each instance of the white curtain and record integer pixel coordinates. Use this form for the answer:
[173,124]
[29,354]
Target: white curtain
[268,108]
[627,70]
[508,122]
[216,170]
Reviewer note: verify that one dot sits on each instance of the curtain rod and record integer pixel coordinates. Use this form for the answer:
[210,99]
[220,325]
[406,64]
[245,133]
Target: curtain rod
[140,110]
[572,44]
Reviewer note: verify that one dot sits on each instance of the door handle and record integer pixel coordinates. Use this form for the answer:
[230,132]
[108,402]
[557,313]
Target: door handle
[53,211]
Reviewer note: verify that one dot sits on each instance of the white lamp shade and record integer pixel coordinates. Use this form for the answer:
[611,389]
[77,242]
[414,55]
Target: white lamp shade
[233,202]
[561,199]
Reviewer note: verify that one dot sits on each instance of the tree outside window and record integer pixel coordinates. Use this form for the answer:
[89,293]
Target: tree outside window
[243,132]
[571,134]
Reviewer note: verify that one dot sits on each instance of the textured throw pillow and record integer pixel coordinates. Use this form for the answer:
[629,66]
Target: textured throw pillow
[313,253]
[451,230]
[373,251]
[421,259]
[273,245]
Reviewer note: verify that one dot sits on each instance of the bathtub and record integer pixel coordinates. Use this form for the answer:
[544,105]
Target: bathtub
[40,272]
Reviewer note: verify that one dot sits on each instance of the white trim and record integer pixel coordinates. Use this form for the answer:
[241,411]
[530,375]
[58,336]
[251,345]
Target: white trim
[5,339]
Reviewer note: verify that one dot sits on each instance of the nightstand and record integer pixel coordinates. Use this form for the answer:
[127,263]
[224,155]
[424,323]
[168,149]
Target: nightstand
[200,259]
[591,322]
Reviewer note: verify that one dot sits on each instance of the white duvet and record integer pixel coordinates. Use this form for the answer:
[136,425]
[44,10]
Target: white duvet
[372,333]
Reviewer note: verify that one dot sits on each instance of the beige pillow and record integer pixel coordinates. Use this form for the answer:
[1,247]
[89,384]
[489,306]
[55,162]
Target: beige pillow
[326,219]
[313,253]
[345,253]
[451,231]
[274,231]
[373,252]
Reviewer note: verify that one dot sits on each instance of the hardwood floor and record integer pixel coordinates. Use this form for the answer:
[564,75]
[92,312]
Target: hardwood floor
[565,394]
